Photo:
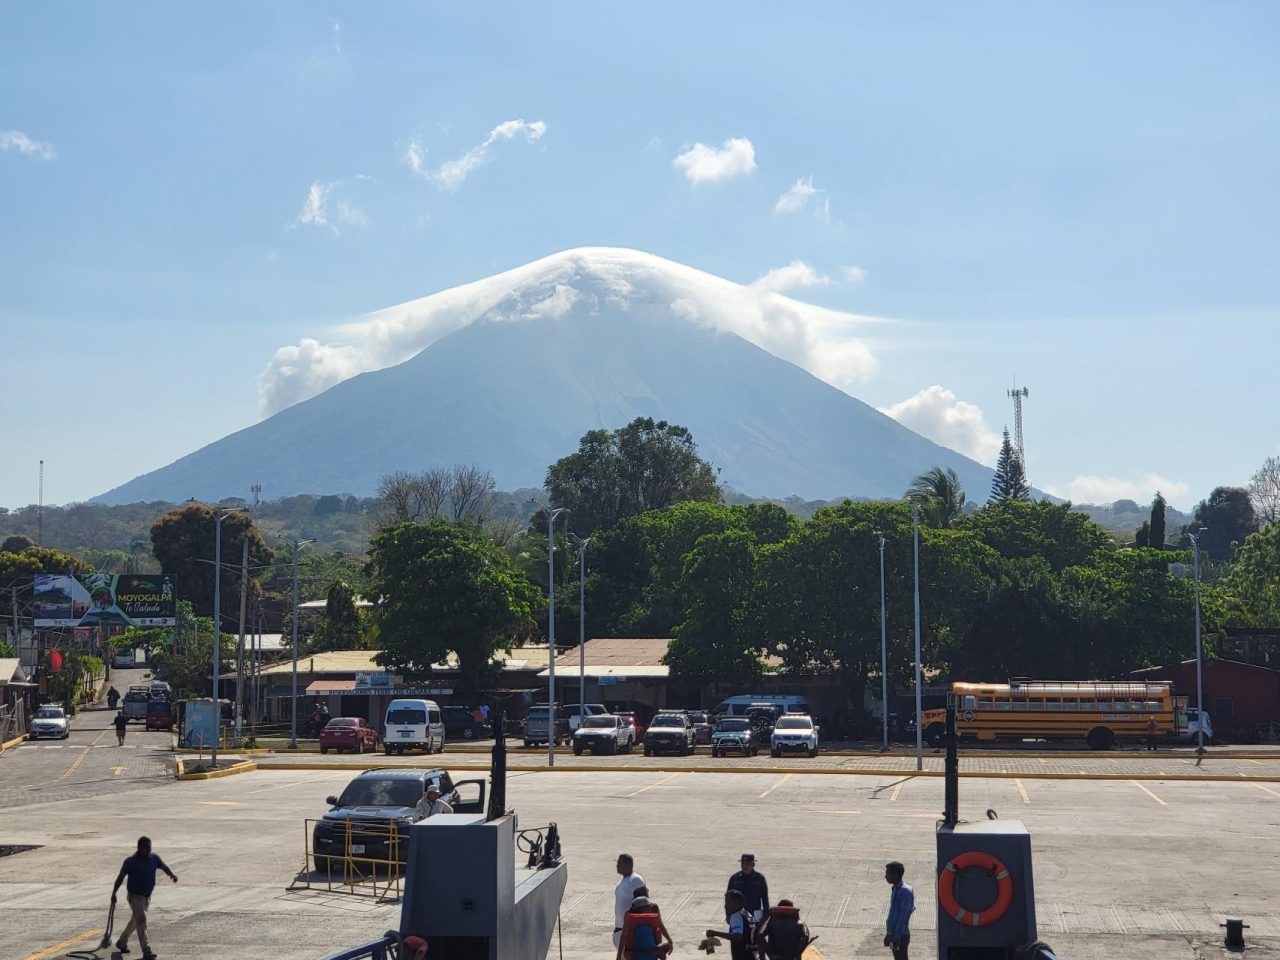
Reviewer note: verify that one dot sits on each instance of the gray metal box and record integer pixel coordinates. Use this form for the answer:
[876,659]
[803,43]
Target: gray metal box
[976,889]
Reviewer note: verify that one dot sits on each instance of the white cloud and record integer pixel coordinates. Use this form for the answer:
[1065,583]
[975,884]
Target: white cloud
[855,276]
[591,281]
[315,209]
[797,196]
[704,164]
[451,174]
[1104,490]
[19,141]
[936,413]
[794,276]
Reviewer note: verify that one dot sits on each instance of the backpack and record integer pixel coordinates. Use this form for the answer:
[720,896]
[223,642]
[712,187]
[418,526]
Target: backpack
[630,921]
[784,936]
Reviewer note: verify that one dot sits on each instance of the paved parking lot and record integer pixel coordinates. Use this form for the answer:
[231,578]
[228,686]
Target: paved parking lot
[1135,868]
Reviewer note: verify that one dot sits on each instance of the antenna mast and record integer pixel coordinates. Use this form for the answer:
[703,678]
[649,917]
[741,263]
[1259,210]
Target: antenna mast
[1019,394]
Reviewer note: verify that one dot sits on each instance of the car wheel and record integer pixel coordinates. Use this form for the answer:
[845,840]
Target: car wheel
[648,752]
[386,748]
[359,747]
[469,733]
[528,744]
[1100,738]
[775,753]
[715,752]
[813,753]
[577,750]
[324,749]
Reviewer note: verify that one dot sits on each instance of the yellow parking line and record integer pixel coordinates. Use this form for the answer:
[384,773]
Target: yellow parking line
[1148,793]
[1022,790]
[897,788]
[813,953]
[652,785]
[295,783]
[49,951]
[783,779]
[1267,790]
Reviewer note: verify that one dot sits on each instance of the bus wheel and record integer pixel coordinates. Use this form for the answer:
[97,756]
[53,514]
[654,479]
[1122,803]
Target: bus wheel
[1100,738]
[935,734]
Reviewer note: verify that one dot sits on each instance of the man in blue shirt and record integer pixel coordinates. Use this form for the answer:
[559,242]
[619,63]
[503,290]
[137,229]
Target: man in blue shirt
[140,869]
[902,903]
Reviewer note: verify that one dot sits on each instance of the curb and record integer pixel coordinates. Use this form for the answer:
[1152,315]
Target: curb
[828,772]
[243,766]
[12,743]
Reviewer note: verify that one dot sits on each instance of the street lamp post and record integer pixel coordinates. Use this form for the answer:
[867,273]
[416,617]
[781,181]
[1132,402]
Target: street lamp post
[297,546]
[884,653]
[915,535]
[582,625]
[551,628]
[1195,553]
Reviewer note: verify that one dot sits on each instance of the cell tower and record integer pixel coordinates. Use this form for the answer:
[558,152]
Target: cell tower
[256,490]
[1019,394]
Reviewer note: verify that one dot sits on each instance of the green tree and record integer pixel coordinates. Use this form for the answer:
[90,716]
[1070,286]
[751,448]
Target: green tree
[446,589]
[646,465]
[1143,537]
[17,570]
[183,543]
[16,543]
[714,641]
[189,665]
[939,495]
[1010,480]
[1252,584]
[1022,529]
[343,627]
[1157,526]
[1226,518]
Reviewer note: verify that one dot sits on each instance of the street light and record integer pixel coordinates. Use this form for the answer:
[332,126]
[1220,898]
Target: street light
[297,546]
[884,652]
[551,627]
[217,616]
[582,625]
[1195,553]
[915,535]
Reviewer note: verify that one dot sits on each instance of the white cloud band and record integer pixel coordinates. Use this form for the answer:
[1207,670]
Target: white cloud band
[703,164]
[19,141]
[1103,490]
[453,173]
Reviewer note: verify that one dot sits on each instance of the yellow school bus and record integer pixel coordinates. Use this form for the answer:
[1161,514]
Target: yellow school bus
[1100,712]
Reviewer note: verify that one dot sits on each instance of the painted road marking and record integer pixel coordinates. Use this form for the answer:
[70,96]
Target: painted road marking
[219,803]
[1148,793]
[813,953]
[897,788]
[781,780]
[652,785]
[117,770]
[83,753]
[1022,790]
[49,951]
[295,783]
[1267,790]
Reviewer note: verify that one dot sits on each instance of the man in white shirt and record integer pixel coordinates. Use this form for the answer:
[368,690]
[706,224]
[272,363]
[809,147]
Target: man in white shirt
[430,805]
[624,893]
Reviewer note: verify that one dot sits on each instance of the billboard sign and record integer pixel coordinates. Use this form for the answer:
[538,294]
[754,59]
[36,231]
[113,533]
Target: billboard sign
[103,599]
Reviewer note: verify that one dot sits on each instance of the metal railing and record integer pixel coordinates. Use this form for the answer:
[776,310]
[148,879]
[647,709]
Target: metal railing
[388,948]
[351,869]
[13,721]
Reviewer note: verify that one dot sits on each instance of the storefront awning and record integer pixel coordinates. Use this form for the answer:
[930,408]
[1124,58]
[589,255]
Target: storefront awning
[347,688]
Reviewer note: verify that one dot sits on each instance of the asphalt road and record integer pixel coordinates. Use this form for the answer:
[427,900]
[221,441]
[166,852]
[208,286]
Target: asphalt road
[1140,869]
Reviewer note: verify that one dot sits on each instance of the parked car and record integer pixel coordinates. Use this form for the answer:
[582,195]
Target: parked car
[793,734]
[540,727]
[160,689]
[49,720]
[637,727]
[734,733]
[413,725]
[671,733]
[159,714]
[348,733]
[135,704]
[574,713]
[371,818]
[606,734]
[702,726]
[1191,733]
[460,724]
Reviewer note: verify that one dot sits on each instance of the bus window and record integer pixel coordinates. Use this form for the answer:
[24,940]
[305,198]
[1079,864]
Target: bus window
[1052,703]
[986,705]
[970,703]
[1002,704]
[1035,703]
[1070,704]
[1019,704]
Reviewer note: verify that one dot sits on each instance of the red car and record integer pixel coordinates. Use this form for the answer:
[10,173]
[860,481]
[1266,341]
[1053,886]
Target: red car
[630,720]
[348,733]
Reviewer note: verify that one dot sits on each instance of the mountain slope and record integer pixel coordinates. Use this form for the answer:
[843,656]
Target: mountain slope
[514,389]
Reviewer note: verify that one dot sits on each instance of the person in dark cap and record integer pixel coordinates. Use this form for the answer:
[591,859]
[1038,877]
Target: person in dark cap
[753,886]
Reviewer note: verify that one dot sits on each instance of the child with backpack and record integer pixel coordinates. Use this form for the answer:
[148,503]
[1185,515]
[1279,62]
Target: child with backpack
[741,932]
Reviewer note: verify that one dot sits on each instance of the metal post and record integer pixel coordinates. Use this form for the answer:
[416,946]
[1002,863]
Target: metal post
[915,534]
[551,637]
[884,654]
[582,626]
[217,632]
[1195,548]
[293,709]
[244,600]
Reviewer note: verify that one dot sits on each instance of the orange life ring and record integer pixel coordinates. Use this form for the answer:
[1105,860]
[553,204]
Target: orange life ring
[947,889]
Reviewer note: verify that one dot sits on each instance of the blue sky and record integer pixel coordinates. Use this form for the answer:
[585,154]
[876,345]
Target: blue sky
[1081,196]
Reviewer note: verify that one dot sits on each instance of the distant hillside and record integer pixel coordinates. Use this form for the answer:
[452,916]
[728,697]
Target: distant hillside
[541,354]
[1124,517]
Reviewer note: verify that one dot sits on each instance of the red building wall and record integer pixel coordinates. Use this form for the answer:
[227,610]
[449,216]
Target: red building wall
[1240,697]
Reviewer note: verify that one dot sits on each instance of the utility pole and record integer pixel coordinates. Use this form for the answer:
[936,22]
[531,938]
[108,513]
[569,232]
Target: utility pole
[915,530]
[884,653]
[582,626]
[244,600]
[40,509]
[293,709]
[217,633]
[1195,553]
[551,628]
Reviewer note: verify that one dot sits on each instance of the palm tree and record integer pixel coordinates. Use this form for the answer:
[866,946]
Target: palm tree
[939,494]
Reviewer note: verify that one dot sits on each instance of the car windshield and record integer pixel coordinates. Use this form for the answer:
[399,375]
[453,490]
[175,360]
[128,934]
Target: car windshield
[375,792]
[666,720]
[732,726]
[343,722]
[136,695]
[406,715]
[49,713]
[795,723]
[698,717]
[600,722]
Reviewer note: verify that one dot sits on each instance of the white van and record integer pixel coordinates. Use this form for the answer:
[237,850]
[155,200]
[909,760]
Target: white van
[413,725]
[738,706]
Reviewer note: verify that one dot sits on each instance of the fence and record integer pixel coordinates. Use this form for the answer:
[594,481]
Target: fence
[363,858]
[13,721]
